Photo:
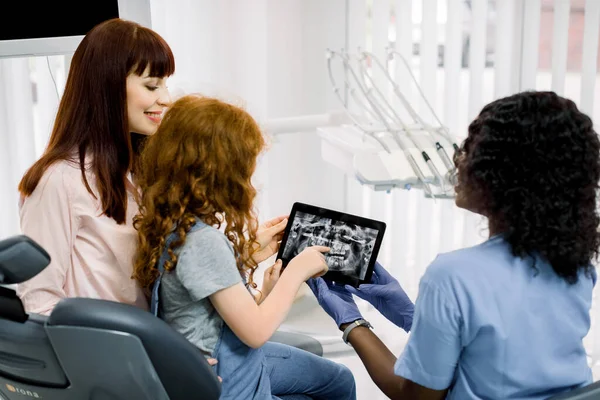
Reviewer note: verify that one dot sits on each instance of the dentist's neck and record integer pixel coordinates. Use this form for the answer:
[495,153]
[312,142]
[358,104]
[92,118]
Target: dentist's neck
[495,227]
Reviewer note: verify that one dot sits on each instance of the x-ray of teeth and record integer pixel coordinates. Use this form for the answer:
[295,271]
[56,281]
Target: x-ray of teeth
[351,245]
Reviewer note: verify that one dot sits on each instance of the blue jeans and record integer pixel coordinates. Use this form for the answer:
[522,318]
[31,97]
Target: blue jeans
[293,371]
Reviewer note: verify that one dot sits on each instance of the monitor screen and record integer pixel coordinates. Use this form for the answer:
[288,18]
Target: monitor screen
[57,27]
[353,241]
[351,245]
[54,19]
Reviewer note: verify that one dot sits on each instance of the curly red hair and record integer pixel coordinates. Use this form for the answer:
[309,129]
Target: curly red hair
[198,164]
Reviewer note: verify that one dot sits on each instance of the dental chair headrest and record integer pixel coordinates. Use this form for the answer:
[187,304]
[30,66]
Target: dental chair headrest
[21,259]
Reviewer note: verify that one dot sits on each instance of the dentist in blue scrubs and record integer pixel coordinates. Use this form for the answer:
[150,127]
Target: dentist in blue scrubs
[504,319]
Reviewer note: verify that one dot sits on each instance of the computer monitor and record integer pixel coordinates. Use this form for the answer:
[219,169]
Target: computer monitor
[56,27]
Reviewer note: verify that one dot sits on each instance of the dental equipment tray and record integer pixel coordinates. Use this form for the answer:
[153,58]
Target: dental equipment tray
[354,241]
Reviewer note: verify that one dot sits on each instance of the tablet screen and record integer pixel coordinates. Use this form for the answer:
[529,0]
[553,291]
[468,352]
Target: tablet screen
[354,241]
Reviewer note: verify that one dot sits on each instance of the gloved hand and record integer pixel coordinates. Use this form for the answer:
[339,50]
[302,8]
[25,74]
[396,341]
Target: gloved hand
[387,296]
[335,300]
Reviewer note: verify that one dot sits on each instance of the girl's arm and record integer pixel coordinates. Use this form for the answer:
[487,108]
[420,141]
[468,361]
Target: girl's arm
[254,324]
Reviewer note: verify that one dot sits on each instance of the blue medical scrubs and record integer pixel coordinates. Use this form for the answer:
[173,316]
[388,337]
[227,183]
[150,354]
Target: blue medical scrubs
[488,325]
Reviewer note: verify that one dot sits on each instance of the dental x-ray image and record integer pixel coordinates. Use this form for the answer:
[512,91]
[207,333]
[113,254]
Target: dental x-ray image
[351,245]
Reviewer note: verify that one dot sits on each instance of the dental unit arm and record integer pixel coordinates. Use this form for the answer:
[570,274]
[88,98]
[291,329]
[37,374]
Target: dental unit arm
[378,146]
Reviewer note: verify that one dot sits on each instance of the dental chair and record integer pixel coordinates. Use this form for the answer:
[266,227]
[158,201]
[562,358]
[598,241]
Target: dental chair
[90,349]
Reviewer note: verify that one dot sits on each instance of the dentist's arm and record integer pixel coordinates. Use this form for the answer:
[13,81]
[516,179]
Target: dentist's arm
[379,362]
[377,358]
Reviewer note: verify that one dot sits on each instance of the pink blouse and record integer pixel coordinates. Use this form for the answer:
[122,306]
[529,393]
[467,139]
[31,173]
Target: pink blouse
[91,255]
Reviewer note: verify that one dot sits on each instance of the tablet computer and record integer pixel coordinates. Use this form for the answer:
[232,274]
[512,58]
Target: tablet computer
[354,241]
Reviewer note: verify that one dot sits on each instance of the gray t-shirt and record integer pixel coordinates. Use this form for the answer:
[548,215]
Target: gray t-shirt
[205,265]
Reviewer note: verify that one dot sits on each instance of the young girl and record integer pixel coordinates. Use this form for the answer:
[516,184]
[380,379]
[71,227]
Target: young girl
[78,199]
[196,221]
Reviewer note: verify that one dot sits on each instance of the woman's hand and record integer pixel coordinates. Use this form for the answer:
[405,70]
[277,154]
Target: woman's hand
[271,277]
[269,236]
[335,300]
[387,296]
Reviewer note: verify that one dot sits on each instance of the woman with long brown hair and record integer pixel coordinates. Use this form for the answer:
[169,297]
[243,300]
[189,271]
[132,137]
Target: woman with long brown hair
[198,238]
[79,199]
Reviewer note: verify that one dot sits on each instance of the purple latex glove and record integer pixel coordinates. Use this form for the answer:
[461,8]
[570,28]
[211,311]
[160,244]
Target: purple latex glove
[387,296]
[335,300]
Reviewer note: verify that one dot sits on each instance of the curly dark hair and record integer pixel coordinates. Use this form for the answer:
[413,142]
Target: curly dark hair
[531,165]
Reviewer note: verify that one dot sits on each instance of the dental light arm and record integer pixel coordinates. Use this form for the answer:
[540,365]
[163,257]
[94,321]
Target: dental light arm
[400,148]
